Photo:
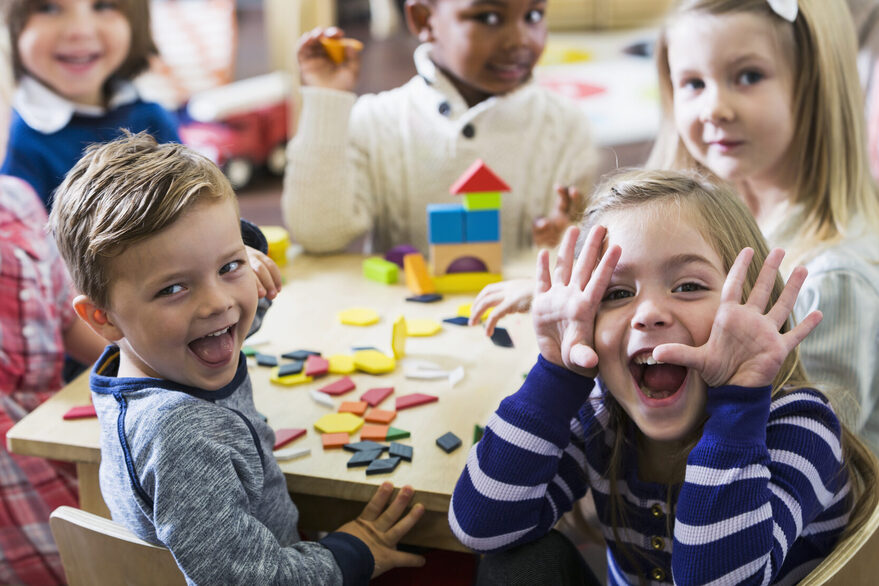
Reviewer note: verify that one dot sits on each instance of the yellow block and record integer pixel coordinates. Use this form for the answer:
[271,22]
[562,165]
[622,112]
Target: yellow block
[335,48]
[464,282]
[338,423]
[291,379]
[358,316]
[417,278]
[374,362]
[423,327]
[279,240]
[465,310]
[398,338]
[341,364]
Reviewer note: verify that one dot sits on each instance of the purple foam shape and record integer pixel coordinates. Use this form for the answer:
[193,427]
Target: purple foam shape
[467,264]
[396,254]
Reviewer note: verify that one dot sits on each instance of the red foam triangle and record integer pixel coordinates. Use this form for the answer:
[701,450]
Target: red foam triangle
[287,435]
[478,178]
[80,412]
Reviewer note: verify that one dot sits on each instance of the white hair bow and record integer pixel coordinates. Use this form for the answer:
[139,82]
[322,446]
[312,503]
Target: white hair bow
[787,9]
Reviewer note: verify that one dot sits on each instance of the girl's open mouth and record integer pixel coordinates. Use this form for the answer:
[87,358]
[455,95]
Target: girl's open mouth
[656,380]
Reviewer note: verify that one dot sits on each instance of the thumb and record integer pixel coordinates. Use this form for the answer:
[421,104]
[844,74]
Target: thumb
[679,354]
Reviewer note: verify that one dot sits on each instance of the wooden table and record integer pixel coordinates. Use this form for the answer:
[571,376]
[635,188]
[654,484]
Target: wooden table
[304,317]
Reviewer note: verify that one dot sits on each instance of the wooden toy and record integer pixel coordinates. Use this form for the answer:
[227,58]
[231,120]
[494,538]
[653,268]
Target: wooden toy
[483,226]
[291,453]
[365,445]
[396,254]
[465,309]
[358,316]
[249,350]
[464,282]
[382,466]
[417,278]
[413,400]
[380,270]
[338,423]
[401,451]
[286,435]
[478,178]
[335,47]
[422,327]
[478,431]
[316,365]
[448,442]
[363,458]
[445,223]
[289,368]
[266,359]
[374,432]
[339,387]
[321,398]
[456,376]
[398,338]
[341,364]
[80,412]
[279,241]
[457,320]
[375,396]
[300,354]
[289,380]
[355,407]
[424,370]
[379,415]
[396,434]
[443,257]
[333,440]
[501,337]
[374,362]
[428,298]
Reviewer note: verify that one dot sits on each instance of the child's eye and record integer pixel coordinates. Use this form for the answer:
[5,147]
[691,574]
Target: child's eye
[489,18]
[688,288]
[170,290]
[750,77]
[693,84]
[47,7]
[616,295]
[534,16]
[106,5]
[231,266]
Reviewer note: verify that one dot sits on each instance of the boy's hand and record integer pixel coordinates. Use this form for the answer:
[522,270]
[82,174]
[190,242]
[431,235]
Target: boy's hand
[745,347]
[382,528]
[317,67]
[268,275]
[565,303]
[547,231]
[513,296]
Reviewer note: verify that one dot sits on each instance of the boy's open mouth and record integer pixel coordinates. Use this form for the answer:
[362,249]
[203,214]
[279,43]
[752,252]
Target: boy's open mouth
[656,380]
[215,348]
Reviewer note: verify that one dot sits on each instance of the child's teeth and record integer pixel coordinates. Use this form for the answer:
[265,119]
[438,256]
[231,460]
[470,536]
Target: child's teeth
[221,332]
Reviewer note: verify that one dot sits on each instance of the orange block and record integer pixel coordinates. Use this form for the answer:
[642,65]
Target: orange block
[356,407]
[376,433]
[417,278]
[380,416]
[334,440]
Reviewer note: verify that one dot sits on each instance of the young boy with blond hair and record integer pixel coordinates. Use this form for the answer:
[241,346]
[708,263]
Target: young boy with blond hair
[152,239]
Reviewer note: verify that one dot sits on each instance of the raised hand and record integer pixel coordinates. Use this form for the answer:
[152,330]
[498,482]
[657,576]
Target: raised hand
[268,275]
[547,231]
[513,296]
[380,527]
[565,303]
[745,347]
[317,68]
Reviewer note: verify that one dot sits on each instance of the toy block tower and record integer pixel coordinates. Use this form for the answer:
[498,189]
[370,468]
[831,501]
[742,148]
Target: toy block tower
[465,239]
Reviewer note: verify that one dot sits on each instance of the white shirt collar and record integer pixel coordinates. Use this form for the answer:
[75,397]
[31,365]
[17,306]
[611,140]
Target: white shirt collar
[47,112]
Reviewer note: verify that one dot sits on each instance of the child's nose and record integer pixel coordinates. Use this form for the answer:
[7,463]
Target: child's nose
[716,106]
[80,20]
[214,299]
[649,314]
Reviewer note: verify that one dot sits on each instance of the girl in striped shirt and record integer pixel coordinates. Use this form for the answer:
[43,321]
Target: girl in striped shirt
[669,386]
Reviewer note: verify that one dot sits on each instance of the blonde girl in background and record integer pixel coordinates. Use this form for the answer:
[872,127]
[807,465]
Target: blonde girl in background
[668,384]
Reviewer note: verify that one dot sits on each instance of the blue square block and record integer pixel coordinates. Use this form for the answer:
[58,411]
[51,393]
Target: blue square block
[445,223]
[482,226]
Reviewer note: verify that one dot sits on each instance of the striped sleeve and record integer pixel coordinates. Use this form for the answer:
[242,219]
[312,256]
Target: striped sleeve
[524,472]
[757,480]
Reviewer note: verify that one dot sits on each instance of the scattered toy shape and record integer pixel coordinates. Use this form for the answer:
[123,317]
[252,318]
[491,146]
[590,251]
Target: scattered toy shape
[289,368]
[458,320]
[374,432]
[397,253]
[315,365]
[464,282]
[338,423]
[278,240]
[380,270]
[376,395]
[395,433]
[291,453]
[355,407]
[359,348]
[423,327]
[426,298]
[335,47]
[80,412]
[322,398]
[478,178]
[424,370]
[466,309]
[300,354]
[478,431]
[374,362]
[414,399]
[401,451]
[501,337]
[382,466]
[266,359]
[379,415]
[456,376]
[449,442]
[290,380]
[339,387]
[341,364]
[467,264]
[364,445]
[363,458]
[334,440]
[358,316]
[286,435]
[249,351]
[398,338]
[417,278]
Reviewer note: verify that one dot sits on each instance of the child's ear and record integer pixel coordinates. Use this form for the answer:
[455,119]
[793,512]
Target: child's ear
[96,318]
[418,19]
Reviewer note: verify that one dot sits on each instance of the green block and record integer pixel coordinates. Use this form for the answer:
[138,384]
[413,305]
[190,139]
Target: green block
[395,434]
[249,350]
[484,200]
[478,430]
[380,270]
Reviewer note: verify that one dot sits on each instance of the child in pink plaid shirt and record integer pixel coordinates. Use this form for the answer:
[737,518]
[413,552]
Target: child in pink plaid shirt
[37,325]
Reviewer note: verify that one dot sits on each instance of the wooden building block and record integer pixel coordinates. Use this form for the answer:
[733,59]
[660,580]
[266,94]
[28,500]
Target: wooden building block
[482,226]
[374,362]
[380,416]
[417,278]
[355,407]
[477,178]
[339,387]
[443,255]
[465,282]
[80,412]
[334,440]
[484,200]
[286,435]
[374,432]
[341,364]
[338,423]
[445,223]
[376,395]
[414,399]
[316,365]
[358,316]
[380,270]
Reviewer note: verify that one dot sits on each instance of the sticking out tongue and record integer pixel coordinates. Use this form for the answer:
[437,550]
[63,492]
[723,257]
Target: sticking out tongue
[213,349]
[663,380]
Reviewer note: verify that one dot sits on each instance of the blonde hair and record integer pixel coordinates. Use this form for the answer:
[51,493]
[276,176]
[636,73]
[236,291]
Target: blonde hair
[833,182]
[725,223]
[123,192]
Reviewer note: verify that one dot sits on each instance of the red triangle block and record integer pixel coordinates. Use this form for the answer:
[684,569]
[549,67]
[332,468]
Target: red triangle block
[81,412]
[341,386]
[414,400]
[287,435]
[376,395]
[316,365]
[478,178]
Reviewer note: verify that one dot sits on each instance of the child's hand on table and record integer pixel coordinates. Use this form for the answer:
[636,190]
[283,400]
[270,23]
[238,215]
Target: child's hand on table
[317,68]
[547,231]
[380,527]
[513,296]
[268,275]
[745,347]
[566,302]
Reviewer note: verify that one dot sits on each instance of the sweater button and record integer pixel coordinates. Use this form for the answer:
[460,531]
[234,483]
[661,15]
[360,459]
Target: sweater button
[657,542]
[444,108]
[656,511]
[658,574]
[468,131]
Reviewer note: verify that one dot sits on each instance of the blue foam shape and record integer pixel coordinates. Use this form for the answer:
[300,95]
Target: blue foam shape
[445,223]
[482,226]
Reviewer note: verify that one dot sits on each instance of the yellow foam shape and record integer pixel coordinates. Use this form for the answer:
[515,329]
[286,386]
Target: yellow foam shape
[290,379]
[374,362]
[341,364]
[423,327]
[464,282]
[466,309]
[278,239]
[338,423]
[358,316]
[335,48]
[398,338]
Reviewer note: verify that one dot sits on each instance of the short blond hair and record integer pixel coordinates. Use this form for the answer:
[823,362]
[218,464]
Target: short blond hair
[123,192]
